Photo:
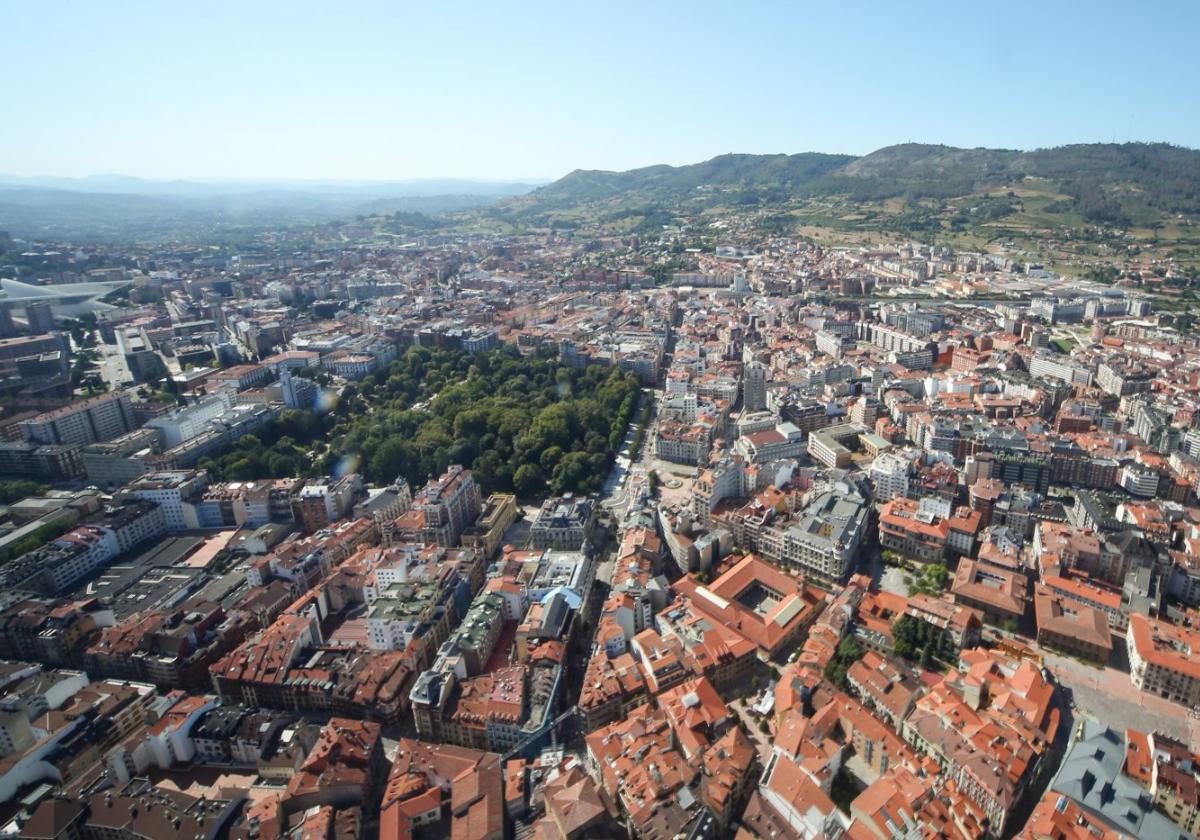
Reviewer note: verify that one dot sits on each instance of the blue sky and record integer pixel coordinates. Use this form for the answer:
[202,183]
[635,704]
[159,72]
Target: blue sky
[364,90]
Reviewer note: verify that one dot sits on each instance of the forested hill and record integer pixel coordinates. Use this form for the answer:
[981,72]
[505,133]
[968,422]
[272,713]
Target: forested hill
[776,175]
[1100,181]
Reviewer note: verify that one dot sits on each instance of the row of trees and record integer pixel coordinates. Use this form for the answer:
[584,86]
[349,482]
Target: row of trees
[522,424]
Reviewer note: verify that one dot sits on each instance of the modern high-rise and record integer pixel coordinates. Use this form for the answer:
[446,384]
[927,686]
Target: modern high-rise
[90,421]
[889,476]
[754,387]
[40,317]
[297,392]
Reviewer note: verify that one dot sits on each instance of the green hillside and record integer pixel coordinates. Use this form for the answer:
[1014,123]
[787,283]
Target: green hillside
[1122,184]
[773,174]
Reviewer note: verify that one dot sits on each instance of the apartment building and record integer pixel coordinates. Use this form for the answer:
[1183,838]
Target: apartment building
[91,420]
[184,423]
[1163,659]
[320,504]
[45,461]
[178,492]
[826,535]
[888,475]
[1122,380]
[911,529]
[122,459]
[383,504]
[443,509]
[1168,769]
[1046,365]
[498,513]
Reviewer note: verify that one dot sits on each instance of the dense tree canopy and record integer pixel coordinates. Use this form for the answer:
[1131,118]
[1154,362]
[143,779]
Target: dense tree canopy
[33,541]
[848,652]
[917,640]
[527,424]
[13,490]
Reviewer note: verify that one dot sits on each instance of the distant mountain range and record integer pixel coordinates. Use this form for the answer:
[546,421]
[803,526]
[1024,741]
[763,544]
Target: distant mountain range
[1128,183]
[129,185]
[121,207]
[1102,181]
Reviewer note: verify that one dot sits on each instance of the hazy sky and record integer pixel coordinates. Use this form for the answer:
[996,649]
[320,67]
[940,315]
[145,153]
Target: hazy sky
[363,90]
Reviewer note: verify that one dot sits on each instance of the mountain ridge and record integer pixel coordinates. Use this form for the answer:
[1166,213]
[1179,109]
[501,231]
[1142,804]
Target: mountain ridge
[1127,184]
[1104,182]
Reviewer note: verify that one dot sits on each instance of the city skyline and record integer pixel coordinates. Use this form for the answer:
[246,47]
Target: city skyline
[483,421]
[533,92]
